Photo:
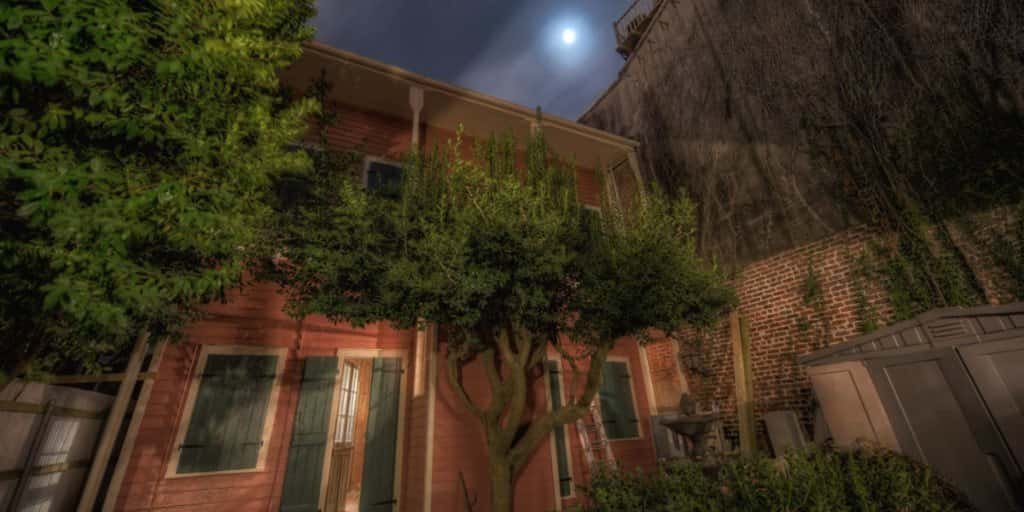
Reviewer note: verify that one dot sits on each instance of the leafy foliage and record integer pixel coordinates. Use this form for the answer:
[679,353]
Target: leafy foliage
[476,244]
[863,479]
[137,140]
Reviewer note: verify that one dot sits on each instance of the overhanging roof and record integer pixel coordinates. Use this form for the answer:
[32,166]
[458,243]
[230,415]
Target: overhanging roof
[377,87]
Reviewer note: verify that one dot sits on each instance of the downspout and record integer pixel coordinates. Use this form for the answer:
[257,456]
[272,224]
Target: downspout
[416,104]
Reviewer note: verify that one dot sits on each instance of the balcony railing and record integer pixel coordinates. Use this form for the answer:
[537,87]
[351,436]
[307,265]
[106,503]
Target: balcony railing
[631,26]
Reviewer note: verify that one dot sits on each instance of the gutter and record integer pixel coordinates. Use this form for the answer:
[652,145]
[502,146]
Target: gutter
[468,95]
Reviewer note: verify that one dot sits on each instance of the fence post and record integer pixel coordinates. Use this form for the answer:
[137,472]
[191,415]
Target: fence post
[112,426]
[133,430]
[744,387]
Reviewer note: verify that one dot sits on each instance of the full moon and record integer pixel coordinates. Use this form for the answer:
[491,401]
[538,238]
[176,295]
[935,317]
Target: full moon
[568,36]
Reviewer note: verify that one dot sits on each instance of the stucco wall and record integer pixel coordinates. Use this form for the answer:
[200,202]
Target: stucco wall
[702,127]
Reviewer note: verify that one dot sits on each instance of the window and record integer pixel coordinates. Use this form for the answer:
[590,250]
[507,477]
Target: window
[617,406]
[384,178]
[229,411]
[561,449]
[347,403]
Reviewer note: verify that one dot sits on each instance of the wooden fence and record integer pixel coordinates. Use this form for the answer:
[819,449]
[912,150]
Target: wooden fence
[56,441]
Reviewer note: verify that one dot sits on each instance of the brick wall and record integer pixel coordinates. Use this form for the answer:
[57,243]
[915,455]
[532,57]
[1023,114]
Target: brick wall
[784,322]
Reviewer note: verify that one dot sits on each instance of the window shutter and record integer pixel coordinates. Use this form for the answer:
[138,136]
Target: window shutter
[309,436]
[617,402]
[226,429]
[561,451]
[378,492]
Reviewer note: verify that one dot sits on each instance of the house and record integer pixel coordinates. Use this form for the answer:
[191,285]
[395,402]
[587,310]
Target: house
[234,418]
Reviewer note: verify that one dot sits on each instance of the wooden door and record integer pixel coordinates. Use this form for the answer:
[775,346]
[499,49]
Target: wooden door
[343,448]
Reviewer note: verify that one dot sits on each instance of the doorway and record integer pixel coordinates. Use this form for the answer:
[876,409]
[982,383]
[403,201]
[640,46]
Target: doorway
[363,467]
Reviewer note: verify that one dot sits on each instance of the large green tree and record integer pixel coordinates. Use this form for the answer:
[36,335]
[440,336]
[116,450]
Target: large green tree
[508,262]
[137,143]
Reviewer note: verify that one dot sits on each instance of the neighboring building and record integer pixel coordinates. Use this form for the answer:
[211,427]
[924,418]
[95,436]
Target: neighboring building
[691,96]
[233,421]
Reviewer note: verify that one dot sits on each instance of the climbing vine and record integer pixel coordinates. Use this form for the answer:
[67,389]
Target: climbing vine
[868,318]
[814,330]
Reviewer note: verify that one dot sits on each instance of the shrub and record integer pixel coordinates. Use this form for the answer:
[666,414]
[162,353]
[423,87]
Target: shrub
[858,480]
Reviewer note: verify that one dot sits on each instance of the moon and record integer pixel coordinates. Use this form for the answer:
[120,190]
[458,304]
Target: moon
[569,36]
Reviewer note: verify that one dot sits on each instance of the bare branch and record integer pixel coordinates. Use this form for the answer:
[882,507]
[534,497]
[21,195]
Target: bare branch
[541,427]
[455,381]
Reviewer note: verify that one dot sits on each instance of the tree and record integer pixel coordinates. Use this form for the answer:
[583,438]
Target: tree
[508,262]
[137,143]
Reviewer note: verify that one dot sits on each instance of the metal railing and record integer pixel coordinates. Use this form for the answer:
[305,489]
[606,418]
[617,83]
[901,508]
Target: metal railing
[633,22]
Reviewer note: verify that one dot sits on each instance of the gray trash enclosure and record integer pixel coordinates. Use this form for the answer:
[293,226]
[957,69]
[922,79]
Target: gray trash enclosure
[946,388]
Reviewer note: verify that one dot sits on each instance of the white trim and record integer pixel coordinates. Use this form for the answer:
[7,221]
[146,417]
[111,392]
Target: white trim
[419,385]
[568,446]
[467,95]
[684,385]
[632,391]
[325,470]
[193,391]
[373,353]
[645,367]
[428,477]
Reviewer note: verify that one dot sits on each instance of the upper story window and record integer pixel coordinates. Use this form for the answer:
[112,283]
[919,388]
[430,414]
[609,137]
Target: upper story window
[383,177]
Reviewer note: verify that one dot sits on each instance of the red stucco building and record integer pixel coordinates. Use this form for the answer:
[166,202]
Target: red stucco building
[227,423]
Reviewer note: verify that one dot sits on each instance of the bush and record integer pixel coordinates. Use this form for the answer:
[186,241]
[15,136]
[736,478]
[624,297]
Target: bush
[860,480]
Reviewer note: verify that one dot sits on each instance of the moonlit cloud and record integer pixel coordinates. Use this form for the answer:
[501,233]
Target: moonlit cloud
[510,49]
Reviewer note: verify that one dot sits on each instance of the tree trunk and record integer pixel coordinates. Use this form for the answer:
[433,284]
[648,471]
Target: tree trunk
[501,484]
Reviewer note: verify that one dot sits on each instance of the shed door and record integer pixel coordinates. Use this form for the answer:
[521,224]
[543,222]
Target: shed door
[940,420]
[998,370]
[378,492]
[309,436]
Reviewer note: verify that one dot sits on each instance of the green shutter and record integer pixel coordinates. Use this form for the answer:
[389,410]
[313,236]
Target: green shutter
[617,402]
[378,491]
[309,436]
[561,451]
[226,429]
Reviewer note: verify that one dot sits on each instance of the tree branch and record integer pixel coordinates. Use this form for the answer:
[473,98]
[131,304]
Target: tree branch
[500,389]
[454,365]
[517,386]
[573,411]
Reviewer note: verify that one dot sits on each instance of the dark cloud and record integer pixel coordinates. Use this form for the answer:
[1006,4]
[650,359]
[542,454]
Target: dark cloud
[506,48]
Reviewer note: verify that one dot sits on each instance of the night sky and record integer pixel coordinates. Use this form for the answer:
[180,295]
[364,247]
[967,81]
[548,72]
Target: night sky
[512,49]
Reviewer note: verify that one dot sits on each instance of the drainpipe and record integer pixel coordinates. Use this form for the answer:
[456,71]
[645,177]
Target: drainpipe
[416,103]
[634,164]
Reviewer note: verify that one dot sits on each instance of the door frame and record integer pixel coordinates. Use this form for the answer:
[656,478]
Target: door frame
[367,353]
